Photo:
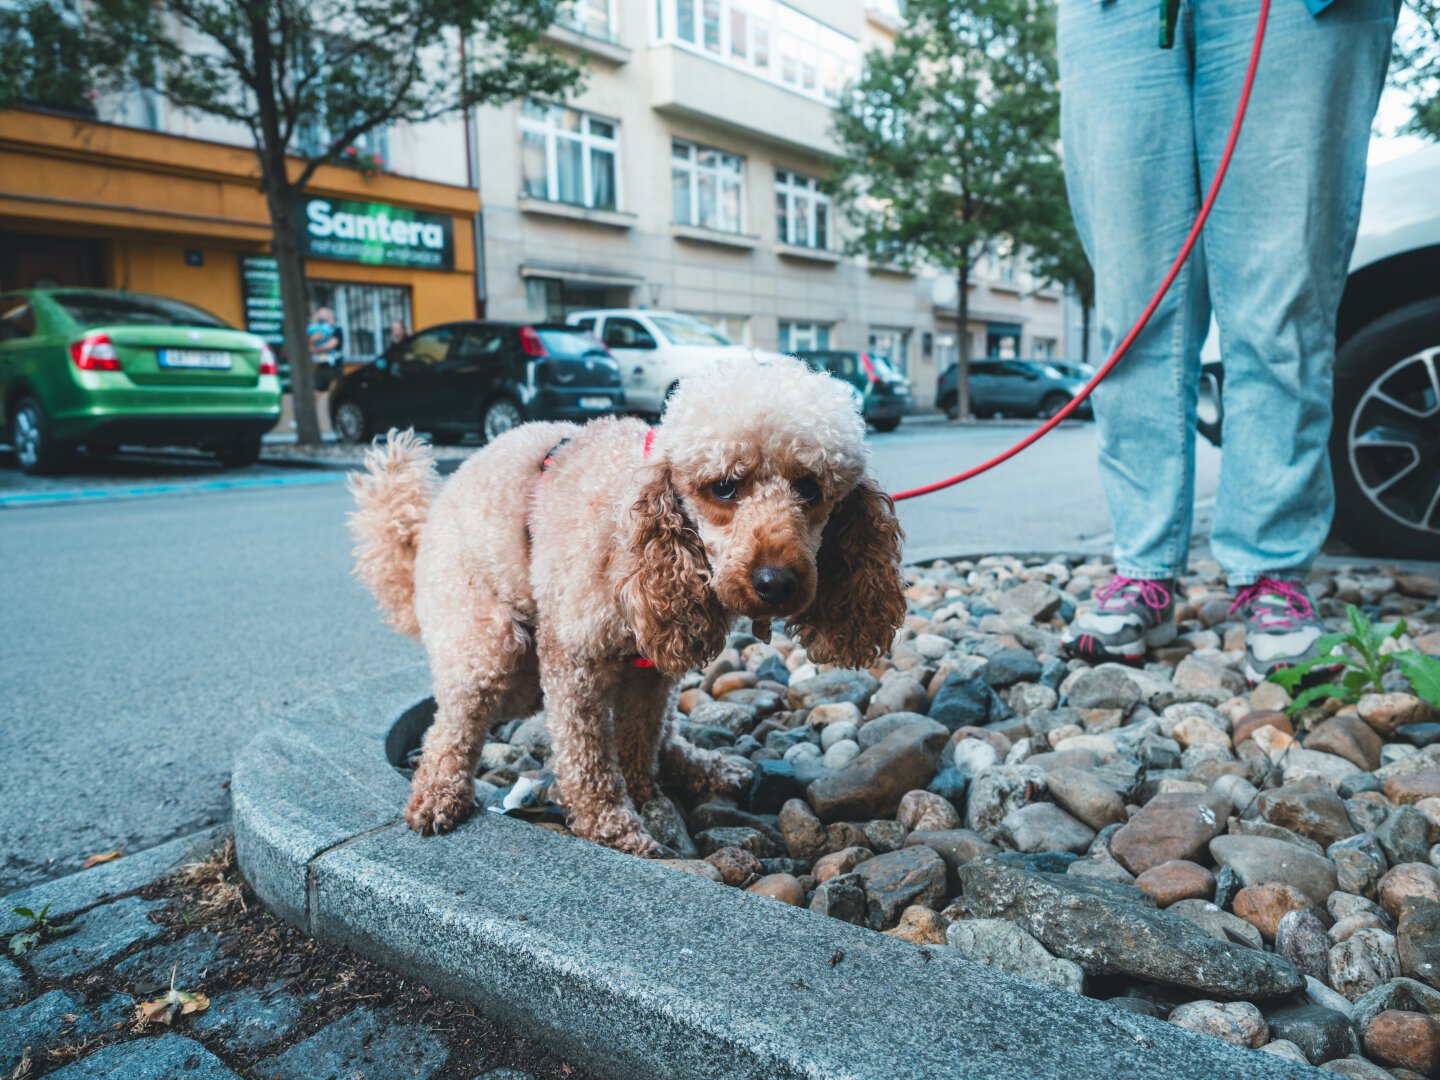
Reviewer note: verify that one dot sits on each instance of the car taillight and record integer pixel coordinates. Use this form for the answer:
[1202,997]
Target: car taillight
[95,352]
[268,365]
[869,367]
[530,342]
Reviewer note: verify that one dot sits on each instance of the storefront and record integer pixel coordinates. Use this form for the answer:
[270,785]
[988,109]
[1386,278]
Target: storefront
[91,204]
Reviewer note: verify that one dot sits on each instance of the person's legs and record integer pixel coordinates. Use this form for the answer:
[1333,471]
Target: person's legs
[1277,245]
[1131,173]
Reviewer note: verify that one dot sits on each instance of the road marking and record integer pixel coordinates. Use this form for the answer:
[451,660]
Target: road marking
[150,491]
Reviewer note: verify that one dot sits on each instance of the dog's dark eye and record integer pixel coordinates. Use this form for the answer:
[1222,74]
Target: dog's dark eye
[807,489]
[724,490]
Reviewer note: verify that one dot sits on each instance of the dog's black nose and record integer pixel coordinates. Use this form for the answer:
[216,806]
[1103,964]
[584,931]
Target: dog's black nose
[774,584]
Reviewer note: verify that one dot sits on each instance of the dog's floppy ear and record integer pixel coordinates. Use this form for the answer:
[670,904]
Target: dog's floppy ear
[665,581]
[860,598]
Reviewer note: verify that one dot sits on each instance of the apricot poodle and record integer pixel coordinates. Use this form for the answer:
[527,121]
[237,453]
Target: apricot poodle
[591,567]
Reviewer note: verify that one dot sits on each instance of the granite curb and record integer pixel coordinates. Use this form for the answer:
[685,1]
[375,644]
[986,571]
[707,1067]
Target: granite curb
[631,968]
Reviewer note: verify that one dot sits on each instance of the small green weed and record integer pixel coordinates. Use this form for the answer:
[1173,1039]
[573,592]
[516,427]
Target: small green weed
[1357,665]
[41,929]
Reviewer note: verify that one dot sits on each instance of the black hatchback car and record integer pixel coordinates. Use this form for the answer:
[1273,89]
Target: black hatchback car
[478,378]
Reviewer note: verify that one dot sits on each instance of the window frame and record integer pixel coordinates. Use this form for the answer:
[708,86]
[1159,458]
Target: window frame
[570,17]
[793,187]
[816,335]
[691,166]
[590,143]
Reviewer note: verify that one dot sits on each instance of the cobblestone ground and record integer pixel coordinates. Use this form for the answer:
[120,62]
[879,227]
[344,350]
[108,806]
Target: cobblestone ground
[280,1006]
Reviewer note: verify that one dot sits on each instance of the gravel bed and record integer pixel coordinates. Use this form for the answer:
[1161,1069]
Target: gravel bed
[1164,837]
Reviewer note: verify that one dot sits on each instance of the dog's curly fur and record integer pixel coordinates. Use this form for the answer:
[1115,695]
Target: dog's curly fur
[516,580]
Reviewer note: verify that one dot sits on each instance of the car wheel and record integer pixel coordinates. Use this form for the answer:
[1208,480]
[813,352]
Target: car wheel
[240,453]
[350,422]
[1385,441]
[888,424]
[500,416]
[1051,404]
[35,448]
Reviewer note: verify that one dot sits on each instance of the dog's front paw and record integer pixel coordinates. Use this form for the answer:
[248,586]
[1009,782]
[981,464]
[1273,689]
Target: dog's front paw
[437,806]
[621,829]
[729,774]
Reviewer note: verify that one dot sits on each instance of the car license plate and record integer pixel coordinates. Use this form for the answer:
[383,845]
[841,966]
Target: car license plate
[595,402]
[214,359]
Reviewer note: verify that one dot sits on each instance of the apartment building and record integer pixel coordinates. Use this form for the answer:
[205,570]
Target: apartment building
[687,176]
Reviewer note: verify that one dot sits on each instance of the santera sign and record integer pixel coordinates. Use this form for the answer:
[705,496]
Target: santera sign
[374,233]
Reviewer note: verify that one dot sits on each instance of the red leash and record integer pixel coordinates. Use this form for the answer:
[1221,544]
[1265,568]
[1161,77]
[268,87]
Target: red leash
[1074,403]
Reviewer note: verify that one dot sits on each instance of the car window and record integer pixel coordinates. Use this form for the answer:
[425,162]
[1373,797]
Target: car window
[627,334]
[980,367]
[429,347]
[570,343]
[1008,371]
[17,319]
[480,344]
[586,324]
[882,366]
[133,309]
[683,330]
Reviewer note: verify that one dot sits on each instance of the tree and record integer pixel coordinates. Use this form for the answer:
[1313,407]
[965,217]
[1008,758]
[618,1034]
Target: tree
[331,70]
[1058,257]
[949,141]
[1416,67]
[43,60]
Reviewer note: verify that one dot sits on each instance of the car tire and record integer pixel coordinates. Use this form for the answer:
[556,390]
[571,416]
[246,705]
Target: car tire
[240,453]
[1386,426]
[36,449]
[350,422]
[501,415]
[889,424]
[1051,404]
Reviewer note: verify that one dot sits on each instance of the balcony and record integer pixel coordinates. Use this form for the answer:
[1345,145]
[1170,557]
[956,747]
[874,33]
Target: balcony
[695,86]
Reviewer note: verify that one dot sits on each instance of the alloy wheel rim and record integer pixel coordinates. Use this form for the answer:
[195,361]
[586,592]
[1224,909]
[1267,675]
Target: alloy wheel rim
[27,437]
[350,422]
[500,418]
[1394,441]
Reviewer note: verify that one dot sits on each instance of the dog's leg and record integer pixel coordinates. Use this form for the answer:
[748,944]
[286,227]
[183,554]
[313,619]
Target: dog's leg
[697,771]
[580,703]
[645,698]
[484,671]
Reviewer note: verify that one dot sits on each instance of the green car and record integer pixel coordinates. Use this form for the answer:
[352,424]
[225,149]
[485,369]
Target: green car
[99,367]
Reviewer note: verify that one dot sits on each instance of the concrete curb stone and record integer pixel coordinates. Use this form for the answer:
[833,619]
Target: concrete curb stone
[631,968]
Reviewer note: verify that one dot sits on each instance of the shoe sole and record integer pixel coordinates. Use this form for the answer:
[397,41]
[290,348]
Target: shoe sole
[1132,652]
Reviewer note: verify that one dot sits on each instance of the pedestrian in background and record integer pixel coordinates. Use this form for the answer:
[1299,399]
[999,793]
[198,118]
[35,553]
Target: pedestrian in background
[326,346]
[398,333]
[1144,128]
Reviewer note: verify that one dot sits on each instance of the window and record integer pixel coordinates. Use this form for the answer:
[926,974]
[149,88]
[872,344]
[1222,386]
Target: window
[595,18]
[1002,340]
[768,38]
[430,347]
[367,315]
[708,187]
[17,319]
[1043,348]
[803,337]
[734,328]
[568,156]
[480,345]
[134,309]
[627,334]
[892,345]
[684,330]
[802,210]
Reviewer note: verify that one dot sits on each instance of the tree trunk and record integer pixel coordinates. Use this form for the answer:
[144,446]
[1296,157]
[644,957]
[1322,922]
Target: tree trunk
[295,314]
[962,338]
[1085,332]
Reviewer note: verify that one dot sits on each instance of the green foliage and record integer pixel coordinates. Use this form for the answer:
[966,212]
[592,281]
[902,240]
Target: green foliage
[41,929]
[44,58]
[1415,68]
[949,142]
[1356,664]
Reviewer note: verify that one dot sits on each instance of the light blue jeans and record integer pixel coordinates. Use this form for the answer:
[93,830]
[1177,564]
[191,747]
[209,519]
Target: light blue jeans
[1144,129]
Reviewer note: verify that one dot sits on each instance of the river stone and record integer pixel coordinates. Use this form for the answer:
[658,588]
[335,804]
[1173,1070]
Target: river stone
[1105,687]
[1261,827]
[1417,938]
[1386,712]
[1362,962]
[1404,835]
[919,926]
[1321,1034]
[924,811]
[873,784]
[1263,906]
[876,731]
[1301,939]
[666,825]
[1035,599]
[802,831]
[1010,666]
[840,898]
[1259,859]
[1086,796]
[830,687]
[1349,737]
[1077,919]
[1406,995]
[966,701]
[1169,827]
[997,791]
[1177,880]
[882,835]
[898,695]
[955,846]
[1004,946]
[759,843]
[1356,1068]
[1408,1040]
[1220,925]
[1044,827]
[1236,1022]
[897,879]
[1284,1048]
[1359,863]
[1308,808]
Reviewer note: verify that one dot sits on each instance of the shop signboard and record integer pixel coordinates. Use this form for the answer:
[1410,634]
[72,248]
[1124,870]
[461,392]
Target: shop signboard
[260,288]
[376,234]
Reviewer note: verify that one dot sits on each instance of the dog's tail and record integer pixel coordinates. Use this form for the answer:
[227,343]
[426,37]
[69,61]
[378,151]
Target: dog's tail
[392,499]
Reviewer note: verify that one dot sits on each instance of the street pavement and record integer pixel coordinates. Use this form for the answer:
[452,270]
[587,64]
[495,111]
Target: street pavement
[155,613]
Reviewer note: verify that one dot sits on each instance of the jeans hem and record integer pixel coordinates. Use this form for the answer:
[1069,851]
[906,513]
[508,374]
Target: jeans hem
[1147,575]
[1297,575]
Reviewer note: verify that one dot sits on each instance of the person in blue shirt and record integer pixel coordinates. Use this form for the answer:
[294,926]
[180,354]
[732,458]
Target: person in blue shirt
[1144,127]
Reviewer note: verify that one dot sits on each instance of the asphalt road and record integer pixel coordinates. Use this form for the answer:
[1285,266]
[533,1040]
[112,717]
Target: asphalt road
[154,614]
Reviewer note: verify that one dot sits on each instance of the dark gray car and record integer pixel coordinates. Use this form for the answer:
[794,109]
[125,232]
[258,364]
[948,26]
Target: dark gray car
[1014,388]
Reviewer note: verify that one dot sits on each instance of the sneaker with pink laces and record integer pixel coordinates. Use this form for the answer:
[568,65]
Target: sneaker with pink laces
[1129,616]
[1282,628]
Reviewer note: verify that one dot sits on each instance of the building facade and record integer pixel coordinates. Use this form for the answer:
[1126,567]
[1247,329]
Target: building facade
[687,175]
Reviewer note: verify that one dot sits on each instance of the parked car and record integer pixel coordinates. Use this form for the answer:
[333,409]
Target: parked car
[99,368]
[884,392]
[1385,440]
[1014,388]
[478,378]
[656,349]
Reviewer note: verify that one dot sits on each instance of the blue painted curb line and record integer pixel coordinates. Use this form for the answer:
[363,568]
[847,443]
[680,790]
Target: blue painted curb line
[150,491]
